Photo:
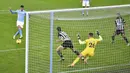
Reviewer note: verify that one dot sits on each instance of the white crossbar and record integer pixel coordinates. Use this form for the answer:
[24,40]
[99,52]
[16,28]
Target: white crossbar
[78,9]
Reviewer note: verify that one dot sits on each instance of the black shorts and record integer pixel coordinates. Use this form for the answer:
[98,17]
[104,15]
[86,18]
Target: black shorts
[67,44]
[117,32]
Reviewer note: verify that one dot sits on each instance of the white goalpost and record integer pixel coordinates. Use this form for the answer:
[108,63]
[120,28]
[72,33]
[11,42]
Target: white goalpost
[40,54]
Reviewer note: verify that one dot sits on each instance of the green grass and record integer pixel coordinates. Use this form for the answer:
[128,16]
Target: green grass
[13,61]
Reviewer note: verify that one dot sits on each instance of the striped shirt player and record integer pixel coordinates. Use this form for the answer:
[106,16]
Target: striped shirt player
[66,43]
[119,29]
[66,40]
[119,22]
[85,4]
[20,20]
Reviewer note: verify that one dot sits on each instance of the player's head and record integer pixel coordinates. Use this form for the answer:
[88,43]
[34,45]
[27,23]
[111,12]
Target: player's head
[58,29]
[22,7]
[90,35]
[118,15]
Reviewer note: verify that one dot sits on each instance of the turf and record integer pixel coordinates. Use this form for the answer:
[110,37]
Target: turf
[13,61]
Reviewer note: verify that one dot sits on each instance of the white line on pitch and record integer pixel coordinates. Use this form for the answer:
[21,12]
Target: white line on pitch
[11,50]
[3,10]
[87,69]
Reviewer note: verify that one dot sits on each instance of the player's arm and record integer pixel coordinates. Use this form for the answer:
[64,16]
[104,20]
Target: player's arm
[80,42]
[13,12]
[124,22]
[126,25]
[60,38]
[100,37]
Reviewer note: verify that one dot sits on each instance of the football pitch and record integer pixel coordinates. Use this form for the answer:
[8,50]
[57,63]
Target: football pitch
[109,58]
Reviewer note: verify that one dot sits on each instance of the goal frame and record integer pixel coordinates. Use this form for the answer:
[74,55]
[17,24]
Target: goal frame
[51,28]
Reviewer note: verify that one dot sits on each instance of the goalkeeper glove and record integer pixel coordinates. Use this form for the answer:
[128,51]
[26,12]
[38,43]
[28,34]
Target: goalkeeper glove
[78,36]
[98,33]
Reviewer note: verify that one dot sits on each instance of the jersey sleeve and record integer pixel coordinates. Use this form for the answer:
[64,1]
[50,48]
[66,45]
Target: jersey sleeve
[86,41]
[100,39]
[13,11]
[82,42]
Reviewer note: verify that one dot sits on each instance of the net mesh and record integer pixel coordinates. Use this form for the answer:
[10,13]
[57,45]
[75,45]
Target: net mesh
[108,58]
[39,44]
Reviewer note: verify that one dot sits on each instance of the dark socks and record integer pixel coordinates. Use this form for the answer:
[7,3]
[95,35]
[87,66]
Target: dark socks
[126,40]
[60,54]
[113,38]
[76,52]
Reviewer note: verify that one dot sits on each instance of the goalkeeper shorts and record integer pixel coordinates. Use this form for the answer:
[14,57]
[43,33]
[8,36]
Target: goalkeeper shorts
[88,52]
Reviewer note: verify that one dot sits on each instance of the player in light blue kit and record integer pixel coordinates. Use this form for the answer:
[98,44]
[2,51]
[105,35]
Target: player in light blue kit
[20,20]
[85,4]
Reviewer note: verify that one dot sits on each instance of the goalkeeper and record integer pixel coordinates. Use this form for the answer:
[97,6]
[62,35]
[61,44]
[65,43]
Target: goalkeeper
[89,50]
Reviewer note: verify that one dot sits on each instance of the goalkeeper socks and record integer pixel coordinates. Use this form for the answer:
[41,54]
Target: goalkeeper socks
[60,54]
[75,61]
[20,32]
[126,40]
[16,33]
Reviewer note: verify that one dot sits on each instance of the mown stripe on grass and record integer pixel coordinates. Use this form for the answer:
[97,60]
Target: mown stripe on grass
[9,50]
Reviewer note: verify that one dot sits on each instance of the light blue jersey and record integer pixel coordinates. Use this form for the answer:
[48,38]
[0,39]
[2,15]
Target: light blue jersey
[85,0]
[20,13]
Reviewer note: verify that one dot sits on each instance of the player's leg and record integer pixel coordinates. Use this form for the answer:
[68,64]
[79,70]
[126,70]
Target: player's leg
[76,60]
[70,45]
[83,5]
[82,54]
[86,59]
[87,6]
[17,31]
[90,54]
[16,34]
[20,31]
[75,51]
[125,38]
[59,52]
[20,26]
[113,36]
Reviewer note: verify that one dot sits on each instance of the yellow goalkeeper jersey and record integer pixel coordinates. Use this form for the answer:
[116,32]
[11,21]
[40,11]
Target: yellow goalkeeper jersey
[91,42]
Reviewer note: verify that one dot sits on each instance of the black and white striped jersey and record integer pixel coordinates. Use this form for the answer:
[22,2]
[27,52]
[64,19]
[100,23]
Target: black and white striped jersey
[63,36]
[119,23]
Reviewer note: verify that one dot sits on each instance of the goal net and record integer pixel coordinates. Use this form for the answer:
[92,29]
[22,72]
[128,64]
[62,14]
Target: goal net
[41,36]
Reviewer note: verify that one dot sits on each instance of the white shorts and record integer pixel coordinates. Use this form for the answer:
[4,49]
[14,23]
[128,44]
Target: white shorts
[85,3]
[21,24]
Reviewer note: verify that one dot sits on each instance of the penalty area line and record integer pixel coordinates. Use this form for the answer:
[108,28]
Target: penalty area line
[87,69]
[8,50]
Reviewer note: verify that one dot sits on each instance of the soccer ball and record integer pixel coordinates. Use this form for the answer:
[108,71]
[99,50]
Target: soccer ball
[18,41]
